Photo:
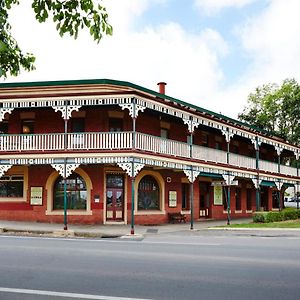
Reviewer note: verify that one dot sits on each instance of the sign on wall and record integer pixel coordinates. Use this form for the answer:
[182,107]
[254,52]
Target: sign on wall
[36,195]
[218,195]
[172,198]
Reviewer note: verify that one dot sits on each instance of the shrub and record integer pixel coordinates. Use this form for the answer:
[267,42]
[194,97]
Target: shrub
[259,217]
[274,216]
[290,214]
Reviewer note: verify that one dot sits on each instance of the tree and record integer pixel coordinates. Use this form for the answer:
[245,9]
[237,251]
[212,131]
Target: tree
[275,109]
[69,16]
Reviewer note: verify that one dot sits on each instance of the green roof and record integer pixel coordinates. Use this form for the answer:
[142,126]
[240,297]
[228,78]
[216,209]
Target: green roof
[134,86]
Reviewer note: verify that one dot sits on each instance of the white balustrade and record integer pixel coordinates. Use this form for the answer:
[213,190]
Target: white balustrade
[124,141]
[160,145]
[242,161]
[99,141]
[288,170]
[209,154]
[268,166]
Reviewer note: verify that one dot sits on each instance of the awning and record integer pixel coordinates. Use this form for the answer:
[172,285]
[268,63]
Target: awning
[212,175]
[268,183]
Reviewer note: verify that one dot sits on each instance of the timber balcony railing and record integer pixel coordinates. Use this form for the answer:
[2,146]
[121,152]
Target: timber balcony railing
[124,141]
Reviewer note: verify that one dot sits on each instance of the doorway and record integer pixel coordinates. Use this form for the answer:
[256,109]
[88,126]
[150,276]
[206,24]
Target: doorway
[114,197]
[204,204]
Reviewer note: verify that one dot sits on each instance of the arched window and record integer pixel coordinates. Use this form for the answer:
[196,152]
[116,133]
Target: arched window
[148,194]
[76,193]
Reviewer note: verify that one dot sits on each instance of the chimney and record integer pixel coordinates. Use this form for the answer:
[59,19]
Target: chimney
[162,87]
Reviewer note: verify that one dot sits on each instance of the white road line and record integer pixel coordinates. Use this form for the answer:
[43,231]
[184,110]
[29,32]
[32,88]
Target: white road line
[66,295]
[114,241]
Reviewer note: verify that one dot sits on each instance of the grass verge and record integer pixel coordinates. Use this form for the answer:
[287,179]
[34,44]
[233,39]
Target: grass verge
[283,224]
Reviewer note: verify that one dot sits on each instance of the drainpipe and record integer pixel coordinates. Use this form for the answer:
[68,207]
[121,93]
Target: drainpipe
[65,168]
[257,192]
[132,166]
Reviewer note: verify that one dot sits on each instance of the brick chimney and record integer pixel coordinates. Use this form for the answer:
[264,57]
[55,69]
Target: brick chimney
[162,87]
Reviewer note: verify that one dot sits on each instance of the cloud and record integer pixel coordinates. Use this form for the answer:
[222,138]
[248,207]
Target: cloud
[214,6]
[188,62]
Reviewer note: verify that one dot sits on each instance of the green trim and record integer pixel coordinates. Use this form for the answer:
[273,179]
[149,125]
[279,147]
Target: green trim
[268,183]
[131,85]
[288,185]
[211,175]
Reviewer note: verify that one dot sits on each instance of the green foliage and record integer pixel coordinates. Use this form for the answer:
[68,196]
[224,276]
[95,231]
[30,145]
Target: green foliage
[259,217]
[276,216]
[275,109]
[69,16]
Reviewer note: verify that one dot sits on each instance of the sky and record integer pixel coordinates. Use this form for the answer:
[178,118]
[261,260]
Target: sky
[211,53]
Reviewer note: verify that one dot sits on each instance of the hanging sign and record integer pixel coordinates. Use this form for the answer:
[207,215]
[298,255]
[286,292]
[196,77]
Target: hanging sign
[218,195]
[36,195]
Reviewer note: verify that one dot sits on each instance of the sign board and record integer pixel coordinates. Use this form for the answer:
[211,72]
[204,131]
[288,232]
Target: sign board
[36,195]
[172,198]
[218,195]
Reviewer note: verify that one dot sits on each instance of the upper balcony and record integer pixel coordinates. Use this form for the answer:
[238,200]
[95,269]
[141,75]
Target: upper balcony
[118,141]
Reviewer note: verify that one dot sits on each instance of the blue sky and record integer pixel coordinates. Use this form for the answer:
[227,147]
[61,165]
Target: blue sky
[211,53]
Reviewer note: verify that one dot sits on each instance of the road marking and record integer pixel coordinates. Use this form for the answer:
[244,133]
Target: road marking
[113,241]
[66,295]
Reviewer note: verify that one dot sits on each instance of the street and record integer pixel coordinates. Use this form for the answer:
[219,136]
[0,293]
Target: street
[186,265]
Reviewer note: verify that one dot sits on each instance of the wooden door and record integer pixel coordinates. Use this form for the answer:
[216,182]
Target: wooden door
[114,204]
[204,204]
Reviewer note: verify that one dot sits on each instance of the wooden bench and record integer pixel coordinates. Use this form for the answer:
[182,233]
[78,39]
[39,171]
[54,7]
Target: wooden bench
[176,217]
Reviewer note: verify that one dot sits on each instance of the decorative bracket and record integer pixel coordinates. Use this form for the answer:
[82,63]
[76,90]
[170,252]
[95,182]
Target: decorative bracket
[191,175]
[133,108]
[191,124]
[256,182]
[256,144]
[66,110]
[128,168]
[3,111]
[229,179]
[61,169]
[228,135]
[3,169]
[279,185]
[278,150]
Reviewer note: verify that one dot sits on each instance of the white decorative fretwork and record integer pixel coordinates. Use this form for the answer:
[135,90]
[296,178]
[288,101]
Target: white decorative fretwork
[278,150]
[191,124]
[228,135]
[66,110]
[130,106]
[256,182]
[127,166]
[229,179]
[3,111]
[61,169]
[255,143]
[279,185]
[191,175]
[3,169]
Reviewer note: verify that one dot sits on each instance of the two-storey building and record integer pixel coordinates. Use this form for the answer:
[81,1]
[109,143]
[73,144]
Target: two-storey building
[106,151]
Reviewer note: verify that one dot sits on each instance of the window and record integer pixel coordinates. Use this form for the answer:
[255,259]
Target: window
[12,186]
[218,146]
[185,191]
[249,199]
[78,125]
[238,200]
[76,193]
[114,181]
[225,196]
[148,194]
[115,125]
[204,139]
[4,127]
[164,133]
[27,126]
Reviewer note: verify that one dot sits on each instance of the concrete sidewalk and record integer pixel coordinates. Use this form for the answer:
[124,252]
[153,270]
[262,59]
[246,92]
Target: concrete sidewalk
[105,230]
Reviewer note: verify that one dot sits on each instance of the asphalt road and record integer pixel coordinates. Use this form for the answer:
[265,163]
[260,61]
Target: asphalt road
[189,265]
